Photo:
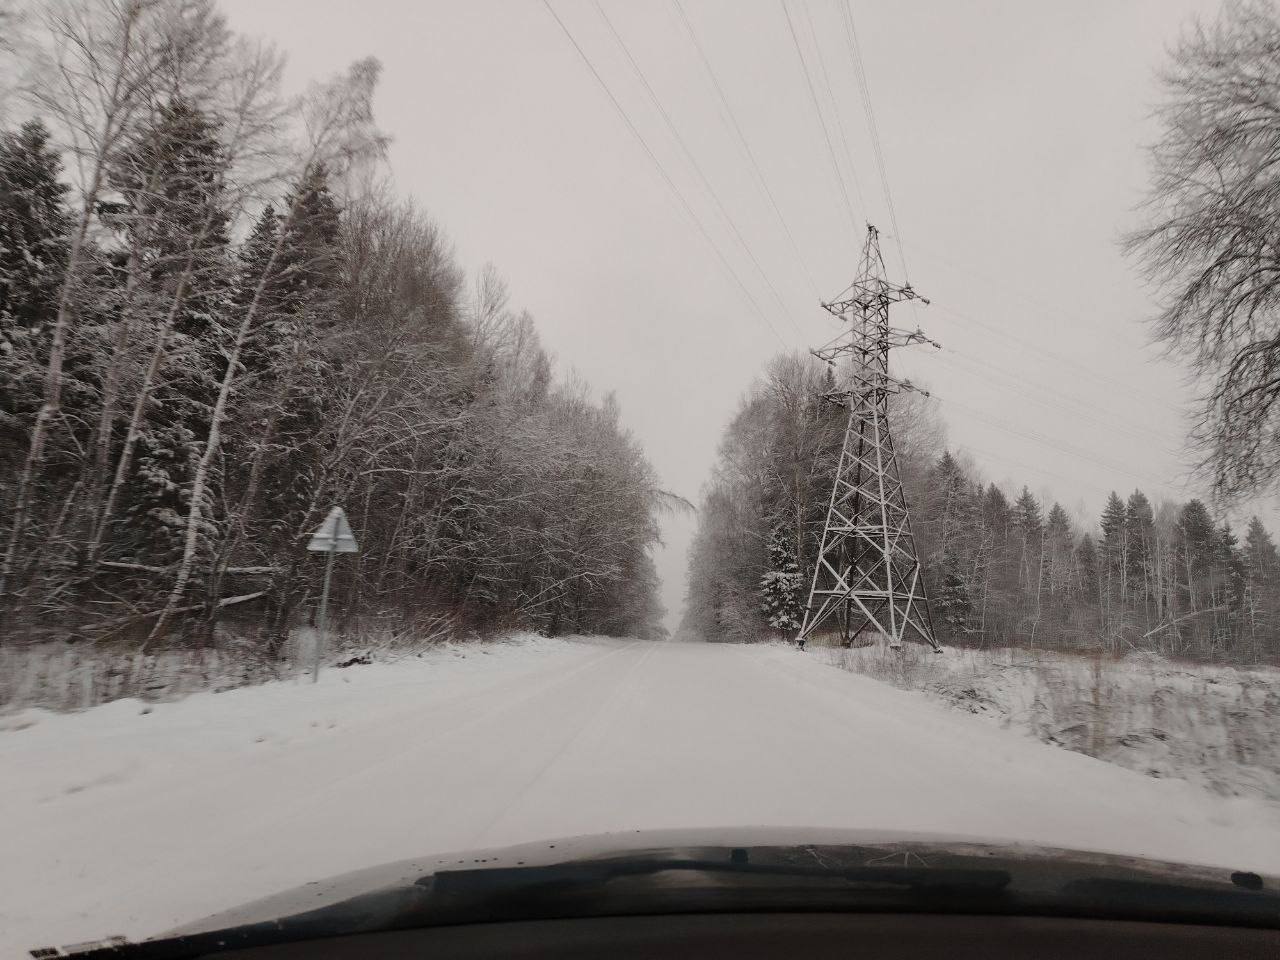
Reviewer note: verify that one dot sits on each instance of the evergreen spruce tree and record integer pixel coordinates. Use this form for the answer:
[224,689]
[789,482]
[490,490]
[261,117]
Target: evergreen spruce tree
[171,181]
[1139,539]
[954,521]
[1114,554]
[1232,573]
[1059,550]
[1196,553]
[1027,519]
[1261,559]
[1087,564]
[34,230]
[1028,526]
[1262,585]
[781,586]
[277,435]
[996,512]
[1001,580]
[951,596]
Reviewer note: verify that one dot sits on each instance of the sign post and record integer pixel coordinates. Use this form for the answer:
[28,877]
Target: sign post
[334,536]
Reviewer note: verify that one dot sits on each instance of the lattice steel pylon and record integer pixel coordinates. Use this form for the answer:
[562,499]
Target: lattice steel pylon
[867,575]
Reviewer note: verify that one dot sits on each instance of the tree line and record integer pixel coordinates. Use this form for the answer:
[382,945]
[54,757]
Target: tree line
[1000,569]
[215,322]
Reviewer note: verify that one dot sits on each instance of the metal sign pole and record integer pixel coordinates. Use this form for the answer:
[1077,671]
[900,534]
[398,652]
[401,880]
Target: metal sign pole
[323,636]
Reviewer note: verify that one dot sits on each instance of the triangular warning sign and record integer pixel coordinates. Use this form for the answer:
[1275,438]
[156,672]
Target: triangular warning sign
[334,535]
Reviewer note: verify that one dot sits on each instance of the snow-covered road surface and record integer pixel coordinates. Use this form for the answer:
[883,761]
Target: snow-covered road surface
[116,821]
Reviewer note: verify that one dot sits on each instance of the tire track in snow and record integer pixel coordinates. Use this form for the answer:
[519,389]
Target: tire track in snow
[417,744]
[595,723]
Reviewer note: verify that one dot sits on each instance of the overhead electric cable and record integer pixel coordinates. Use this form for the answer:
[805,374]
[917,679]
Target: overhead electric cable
[859,66]
[1058,358]
[835,106]
[1036,437]
[746,146]
[826,134]
[1053,399]
[693,162]
[622,113]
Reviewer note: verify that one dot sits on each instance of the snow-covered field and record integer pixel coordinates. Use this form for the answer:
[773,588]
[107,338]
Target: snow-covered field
[1218,726]
[129,818]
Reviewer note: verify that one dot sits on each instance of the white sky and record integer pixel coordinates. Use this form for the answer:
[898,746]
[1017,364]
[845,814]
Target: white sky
[1011,133]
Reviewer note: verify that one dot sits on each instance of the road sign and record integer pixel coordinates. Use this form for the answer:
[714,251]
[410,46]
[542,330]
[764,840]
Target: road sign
[334,535]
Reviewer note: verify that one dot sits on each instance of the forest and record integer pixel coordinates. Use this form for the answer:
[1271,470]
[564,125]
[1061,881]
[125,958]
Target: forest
[218,319]
[1002,567]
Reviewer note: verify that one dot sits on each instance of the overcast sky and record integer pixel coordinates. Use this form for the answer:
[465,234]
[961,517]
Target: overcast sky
[1011,133]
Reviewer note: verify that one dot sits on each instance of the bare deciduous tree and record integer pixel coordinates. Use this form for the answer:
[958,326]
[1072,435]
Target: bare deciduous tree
[1211,241]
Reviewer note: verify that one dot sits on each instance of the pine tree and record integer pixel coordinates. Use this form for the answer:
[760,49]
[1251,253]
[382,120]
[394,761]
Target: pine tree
[1059,549]
[1028,526]
[1262,585]
[952,557]
[1087,563]
[951,595]
[1027,519]
[1232,566]
[1114,554]
[1000,582]
[996,513]
[1139,540]
[780,587]
[34,231]
[292,353]
[1197,550]
[309,265]
[1261,559]
[172,182]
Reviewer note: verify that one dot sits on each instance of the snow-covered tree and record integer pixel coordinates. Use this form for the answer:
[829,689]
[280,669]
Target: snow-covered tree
[781,587]
[34,229]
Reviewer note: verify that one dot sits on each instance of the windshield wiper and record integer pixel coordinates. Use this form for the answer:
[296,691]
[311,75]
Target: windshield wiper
[593,873]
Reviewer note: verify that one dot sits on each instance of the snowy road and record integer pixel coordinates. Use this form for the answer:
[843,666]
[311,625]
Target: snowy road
[118,821]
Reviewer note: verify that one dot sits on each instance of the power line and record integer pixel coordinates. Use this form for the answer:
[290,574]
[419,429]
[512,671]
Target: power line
[835,105]
[662,170]
[972,273]
[1005,283]
[1010,461]
[1040,438]
[813,96]
[746,146]
[1021,386]
[1061,359]
[693,162]
[859,68]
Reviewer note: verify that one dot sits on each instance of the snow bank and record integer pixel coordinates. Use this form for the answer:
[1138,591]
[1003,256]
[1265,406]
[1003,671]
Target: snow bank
[1216,726]
[65,676]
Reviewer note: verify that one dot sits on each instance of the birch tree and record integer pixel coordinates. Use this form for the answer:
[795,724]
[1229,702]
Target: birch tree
[339,132]
[101,62]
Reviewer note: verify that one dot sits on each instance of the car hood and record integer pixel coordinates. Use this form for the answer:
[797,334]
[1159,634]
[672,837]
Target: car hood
[817,847]
[732,870]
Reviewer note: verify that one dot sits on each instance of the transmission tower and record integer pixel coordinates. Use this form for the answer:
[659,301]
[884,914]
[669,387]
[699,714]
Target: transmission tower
[867,576]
